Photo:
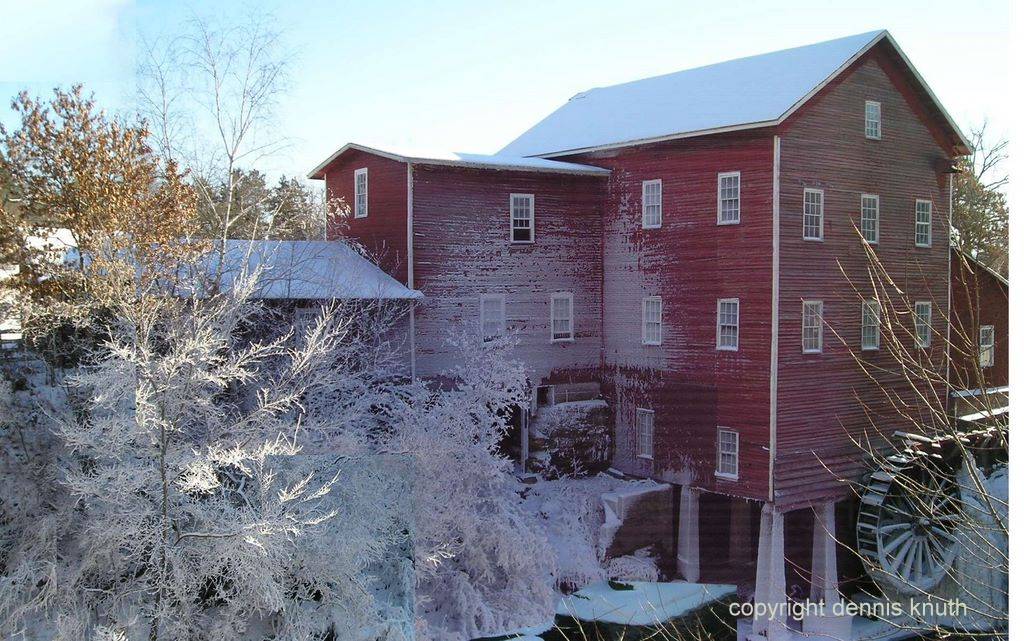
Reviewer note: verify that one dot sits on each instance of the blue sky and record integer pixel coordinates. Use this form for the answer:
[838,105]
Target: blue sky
[471,75]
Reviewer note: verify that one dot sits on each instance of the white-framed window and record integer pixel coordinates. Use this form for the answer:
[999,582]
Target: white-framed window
[728,334]
[521,218]
[869,324]
[923,223]
[651,312]
[728,454]
[652,204]
[729,198]
[492,316]
[362,191]
[869,218]
[813,327]
[987,346]
[872,119]
[923,323]
[814,214]
[645,433]
[561,317]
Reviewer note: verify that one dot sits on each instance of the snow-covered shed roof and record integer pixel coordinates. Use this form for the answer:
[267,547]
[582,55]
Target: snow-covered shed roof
[744,93]
[458,159]
[309,270]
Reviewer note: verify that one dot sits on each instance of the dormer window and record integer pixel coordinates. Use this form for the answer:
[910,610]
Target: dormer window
[873,120]
[362,192]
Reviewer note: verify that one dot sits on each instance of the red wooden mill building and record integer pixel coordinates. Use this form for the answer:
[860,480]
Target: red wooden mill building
[691,246]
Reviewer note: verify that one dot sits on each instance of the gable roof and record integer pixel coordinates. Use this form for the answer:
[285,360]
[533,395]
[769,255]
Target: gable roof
[308,270]
[964,255]
[745,93]
[473,161]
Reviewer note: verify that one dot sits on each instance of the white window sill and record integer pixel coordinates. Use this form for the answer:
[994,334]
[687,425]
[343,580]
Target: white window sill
[867,137]
[922,246]
[871,242]
[728,222]
[651,343]
[811,351]
[817,240]
[645,457]
[869,349]
[358,217]
[722,348]
[522,242]
[726,477]
[563,340]
[650,226]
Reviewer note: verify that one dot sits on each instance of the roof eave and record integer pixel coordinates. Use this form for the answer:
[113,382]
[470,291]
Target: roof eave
[319,172]
[668,137]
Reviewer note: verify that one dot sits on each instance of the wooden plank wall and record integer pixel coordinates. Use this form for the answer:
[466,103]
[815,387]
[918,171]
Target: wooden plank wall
[822,396]
[690,262]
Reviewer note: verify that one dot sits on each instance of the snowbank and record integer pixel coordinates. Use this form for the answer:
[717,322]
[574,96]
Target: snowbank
[572,515]
[645,604]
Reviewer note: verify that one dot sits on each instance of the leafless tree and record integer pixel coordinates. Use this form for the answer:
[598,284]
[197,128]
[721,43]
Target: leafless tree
[212,93]
[933,525]
[980,209]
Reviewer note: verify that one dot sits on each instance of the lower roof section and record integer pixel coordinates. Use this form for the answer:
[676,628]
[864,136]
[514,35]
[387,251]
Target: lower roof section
[474,161]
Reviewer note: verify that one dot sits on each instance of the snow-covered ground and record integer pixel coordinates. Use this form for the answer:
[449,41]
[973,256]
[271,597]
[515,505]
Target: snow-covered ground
[647,604]
[571,514]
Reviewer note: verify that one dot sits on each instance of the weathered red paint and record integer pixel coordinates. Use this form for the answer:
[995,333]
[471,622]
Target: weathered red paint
[383,231]
[822,396]
[589,241]
[979,297]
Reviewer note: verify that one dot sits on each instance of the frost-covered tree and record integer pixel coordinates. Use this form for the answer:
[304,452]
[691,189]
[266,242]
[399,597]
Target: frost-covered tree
[198,503]
[482,564]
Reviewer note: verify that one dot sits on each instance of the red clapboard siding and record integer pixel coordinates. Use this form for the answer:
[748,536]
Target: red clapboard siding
[690,262]
[979,298]
[383,232]
[462,249]
[822,396]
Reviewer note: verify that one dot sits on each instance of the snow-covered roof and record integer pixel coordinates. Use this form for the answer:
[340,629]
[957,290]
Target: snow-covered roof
[309,270]
[458,159]
[738,94]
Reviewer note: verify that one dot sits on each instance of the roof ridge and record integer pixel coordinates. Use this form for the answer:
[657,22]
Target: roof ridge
[874,34]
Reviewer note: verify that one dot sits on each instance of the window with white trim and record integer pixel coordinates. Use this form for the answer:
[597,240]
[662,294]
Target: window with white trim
[362,191]
[492,316]
[651,311]
[728,334]
[813,327]
[728,454]
[729,198]
[814,214]
[869,218]
[521,216]
[923,323]
[870,327]
[872,119]
[652,204]
[645,433]
[561,317]
[987,346]
[923,223]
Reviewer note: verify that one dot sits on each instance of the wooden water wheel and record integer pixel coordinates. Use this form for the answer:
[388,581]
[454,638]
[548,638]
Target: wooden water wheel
[906,529]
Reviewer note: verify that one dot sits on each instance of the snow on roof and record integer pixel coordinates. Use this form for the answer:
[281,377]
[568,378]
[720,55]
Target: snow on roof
[743,93]
[309,270]
[458,159]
